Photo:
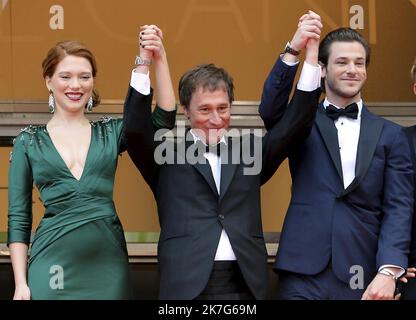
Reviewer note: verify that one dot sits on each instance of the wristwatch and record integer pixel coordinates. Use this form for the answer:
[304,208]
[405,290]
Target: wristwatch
[142,62]
[289,49]
[389,273]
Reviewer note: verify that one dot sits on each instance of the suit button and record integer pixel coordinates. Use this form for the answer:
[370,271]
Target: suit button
[221,216]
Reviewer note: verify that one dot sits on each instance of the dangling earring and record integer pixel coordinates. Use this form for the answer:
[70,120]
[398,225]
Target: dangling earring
[51,102]
[89,104]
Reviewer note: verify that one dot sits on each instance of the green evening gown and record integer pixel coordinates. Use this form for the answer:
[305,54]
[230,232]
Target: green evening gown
[78,250]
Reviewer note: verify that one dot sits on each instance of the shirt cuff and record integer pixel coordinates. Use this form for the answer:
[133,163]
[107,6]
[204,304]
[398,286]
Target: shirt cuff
[398,273]
[140,82]
[290,64]
[310,77]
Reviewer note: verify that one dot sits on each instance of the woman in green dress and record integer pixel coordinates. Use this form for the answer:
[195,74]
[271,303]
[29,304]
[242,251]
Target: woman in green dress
[78,250]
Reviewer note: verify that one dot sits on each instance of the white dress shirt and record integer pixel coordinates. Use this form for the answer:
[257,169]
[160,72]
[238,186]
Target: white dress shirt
[224,249]
[348,135]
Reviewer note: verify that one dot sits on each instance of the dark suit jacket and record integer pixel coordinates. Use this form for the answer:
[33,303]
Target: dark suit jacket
[192,213]
[367,224]
[409,289]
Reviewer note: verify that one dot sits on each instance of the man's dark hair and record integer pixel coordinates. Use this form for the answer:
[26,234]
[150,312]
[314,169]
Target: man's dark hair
[342,35]
[206,76]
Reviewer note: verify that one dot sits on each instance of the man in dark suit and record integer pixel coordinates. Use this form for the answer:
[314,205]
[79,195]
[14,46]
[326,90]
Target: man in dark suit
[211,242]
[347,229]
[409,290]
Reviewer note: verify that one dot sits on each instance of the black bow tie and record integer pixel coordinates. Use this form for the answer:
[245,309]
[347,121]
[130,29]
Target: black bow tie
[351,111]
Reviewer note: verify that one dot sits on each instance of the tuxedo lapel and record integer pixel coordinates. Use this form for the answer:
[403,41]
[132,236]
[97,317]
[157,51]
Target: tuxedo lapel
[202,165]
[227,168]
[205,170]
[370,130]
[329,135]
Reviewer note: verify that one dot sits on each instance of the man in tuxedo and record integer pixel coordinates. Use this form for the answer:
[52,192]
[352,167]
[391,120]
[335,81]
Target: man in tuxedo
[347,229]
[211,242]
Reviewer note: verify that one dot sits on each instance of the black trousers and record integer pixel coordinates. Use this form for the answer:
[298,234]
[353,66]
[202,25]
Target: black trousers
[226,282]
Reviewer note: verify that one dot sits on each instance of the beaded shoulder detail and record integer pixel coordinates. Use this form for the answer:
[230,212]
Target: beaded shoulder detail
[105,125]
[32,129]
[29,132]
[27,135]
[103,120]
